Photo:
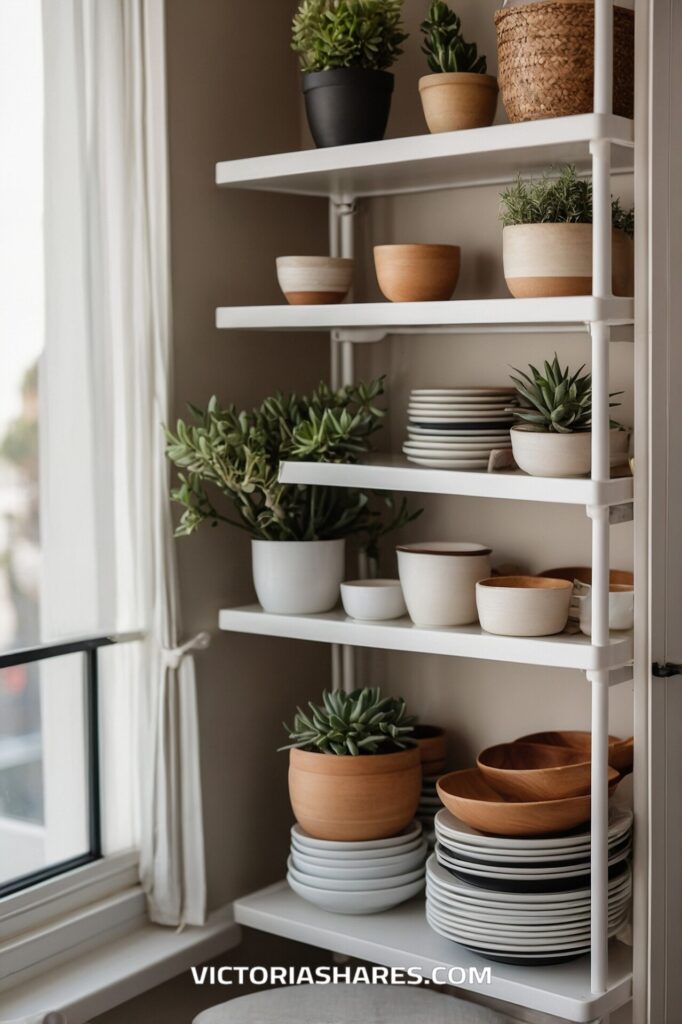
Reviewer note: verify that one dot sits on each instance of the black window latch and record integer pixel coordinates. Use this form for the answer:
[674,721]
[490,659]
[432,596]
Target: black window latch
[666,670]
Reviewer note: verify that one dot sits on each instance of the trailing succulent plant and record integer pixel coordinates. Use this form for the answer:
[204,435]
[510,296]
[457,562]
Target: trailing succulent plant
[361,722]
[236,454]
[557,401]
[563,199]
[330,34]
[444,45]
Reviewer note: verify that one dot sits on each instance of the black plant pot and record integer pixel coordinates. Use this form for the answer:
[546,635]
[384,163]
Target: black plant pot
[347,105]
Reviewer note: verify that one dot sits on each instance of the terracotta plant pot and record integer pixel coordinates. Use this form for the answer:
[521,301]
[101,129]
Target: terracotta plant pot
[432,742]
[453,101]
[544,453]
[417,273]
[347,105]
[542,260]
[372,796]
[314,280]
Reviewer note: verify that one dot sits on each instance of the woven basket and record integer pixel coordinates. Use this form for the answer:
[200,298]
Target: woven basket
[546,59]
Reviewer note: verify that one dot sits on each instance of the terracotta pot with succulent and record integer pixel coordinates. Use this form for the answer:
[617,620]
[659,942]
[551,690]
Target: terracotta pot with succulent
[346,48]
[298,532]
[547,238]
[354,769]
[554,438]
[459,94]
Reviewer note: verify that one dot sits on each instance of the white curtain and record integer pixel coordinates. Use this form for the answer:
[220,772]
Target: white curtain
[105,384]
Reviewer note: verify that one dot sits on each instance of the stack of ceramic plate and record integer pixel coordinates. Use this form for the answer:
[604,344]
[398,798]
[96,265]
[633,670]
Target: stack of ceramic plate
[429,805]
[523,900]
[457,428]
[357,877]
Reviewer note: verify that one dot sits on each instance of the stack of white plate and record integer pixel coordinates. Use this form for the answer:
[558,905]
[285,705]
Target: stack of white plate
[429,805]
[357,877]
[524,901]
[457,428]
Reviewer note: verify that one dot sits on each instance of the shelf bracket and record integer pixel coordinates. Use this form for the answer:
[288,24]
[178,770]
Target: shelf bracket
[360,337]
[616,676]
[624,513]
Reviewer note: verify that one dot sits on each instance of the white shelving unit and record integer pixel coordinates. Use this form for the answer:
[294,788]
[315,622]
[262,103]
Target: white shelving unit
[563,651]
[600,144]
[402,938]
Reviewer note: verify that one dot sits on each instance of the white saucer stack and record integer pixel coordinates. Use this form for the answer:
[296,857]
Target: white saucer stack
[457,428]
[523,901]
[357,877]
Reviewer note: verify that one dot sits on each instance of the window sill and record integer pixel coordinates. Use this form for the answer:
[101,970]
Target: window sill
[97,980]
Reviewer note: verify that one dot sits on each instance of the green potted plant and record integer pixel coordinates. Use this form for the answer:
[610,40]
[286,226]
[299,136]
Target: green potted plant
[298,532]
[554,436]
[547,237]
[459,94]
[345,49]
[354,769]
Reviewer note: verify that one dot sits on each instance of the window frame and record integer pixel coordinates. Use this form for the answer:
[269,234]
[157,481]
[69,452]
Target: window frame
[89,647]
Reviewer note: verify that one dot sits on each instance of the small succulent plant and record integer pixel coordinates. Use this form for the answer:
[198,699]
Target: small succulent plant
[444,46]
[557,401]
[329,34]
[562,199]
[361,722]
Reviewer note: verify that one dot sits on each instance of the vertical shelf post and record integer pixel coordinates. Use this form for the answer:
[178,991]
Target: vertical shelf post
[600,150]
[342,243]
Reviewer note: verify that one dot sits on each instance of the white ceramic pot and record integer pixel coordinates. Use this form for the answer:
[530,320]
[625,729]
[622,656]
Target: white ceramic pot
[439,581]
[373,600]
[298,577]
[621,606]
[523,605]
[314,280]
[544,453]
[556,259]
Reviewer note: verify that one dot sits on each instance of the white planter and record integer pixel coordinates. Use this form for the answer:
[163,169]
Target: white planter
[439,581]
[314,280]
[298,577]
[556,259]
[544,453]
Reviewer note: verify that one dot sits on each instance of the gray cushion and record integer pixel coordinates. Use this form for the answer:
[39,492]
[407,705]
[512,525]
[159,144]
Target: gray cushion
[348,1004]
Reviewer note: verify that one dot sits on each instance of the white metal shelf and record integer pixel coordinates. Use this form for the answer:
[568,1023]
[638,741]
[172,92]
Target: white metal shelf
[395,473]
[562,651]
[452,316]
[429,162]
[402,938]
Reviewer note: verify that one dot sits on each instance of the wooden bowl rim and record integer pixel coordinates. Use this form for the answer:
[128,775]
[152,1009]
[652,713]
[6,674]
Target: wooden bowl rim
[525,583]
[504,802]
[569,751]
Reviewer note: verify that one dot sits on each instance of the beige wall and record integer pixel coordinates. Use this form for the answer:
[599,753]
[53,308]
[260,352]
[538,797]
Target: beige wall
[233,92]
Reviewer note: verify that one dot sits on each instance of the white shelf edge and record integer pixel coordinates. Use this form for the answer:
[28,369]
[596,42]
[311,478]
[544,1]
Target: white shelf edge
[323,173]
[394,473]
[411,316]
[563,651]
[402,938]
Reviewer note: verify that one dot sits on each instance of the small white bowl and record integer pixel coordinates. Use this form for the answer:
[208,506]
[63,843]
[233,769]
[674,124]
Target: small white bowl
[523,605]
[372,901]
[334,884]
[621,606]
[314,280]
[357,849]
[373,600]
[381,867]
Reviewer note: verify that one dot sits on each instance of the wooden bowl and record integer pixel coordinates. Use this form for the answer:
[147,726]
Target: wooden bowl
[468,796]
[533,771]
[417,273]
[523,605]
[432,742]
[621,752]
[583,573]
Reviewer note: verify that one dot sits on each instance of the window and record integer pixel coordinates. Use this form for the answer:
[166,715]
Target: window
[51,753]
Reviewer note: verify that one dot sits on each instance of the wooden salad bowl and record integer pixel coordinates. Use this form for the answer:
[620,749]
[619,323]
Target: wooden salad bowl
[621,752]
[536,772]
[467,795]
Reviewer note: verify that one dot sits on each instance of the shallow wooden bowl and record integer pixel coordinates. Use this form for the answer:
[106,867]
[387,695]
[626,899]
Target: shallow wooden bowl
[468,796]
[533,771]
[621,752]
[583,573]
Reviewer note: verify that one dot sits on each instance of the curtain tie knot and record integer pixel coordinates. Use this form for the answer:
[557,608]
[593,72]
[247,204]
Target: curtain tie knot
[172,656]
